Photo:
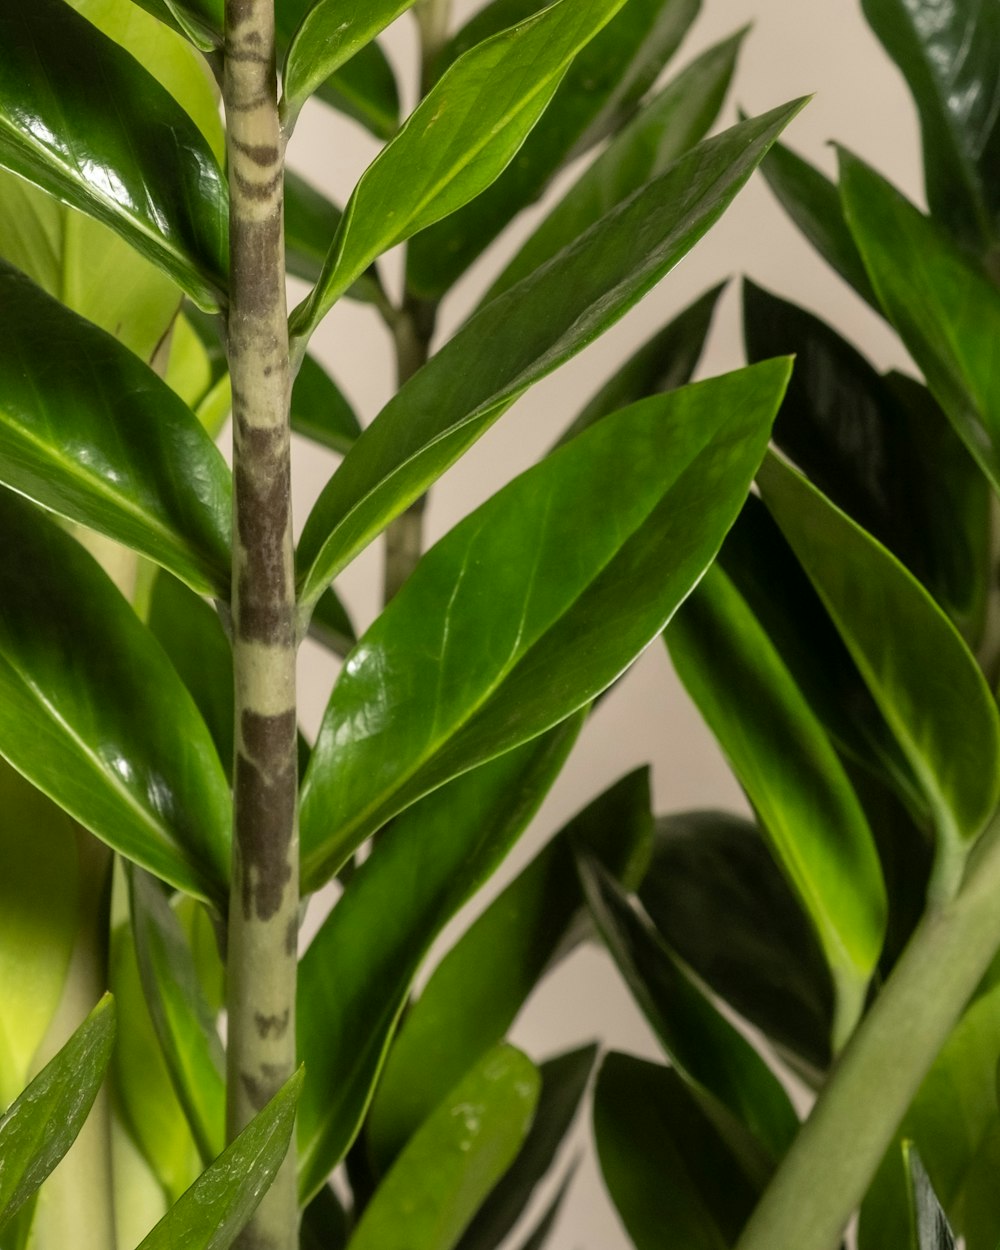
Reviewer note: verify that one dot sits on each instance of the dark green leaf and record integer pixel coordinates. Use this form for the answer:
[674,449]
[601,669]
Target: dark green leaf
[365,89]
[600,91]
[948,728]
[331,625]
[668,126]
[324,1223]
[519,338]
[929,1228]
[311,221]
[43,1122]
[201,21]
[717,897]
[423,869]
[146,171]
[319,409]
[94,714]
[213,1212]
[89,431]
[543,1229]
[564,1082]
[663,1160]
[740,1093]
[454,1159]
[478,989]
[948,54]
[454,144]
[479,651]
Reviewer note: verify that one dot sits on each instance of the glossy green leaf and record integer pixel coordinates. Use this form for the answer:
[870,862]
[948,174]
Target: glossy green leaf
[600,91]
[948,728]
[812,201]
[454,1159]
[717,897]
[564,1083]
[478,989]
[425,866]
[668,360]
[213,1212]
[201,21]
[182,1019]
[152,177]
[948,54]
[929,1227]
[664,1162]
[668,126]
[42,1124]
[311,222]
[785,761]
[324,1223]
[518,339]
[320,411]
[946,311]
[479,652]
[94,714]
[455,143]
[740,1093]
[331,625]
[89,431]
[39,912]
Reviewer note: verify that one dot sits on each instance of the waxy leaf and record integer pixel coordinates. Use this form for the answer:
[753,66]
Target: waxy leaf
[96,717]
[88,431]
[929,1228]
[741,1094]
[201,21]
[213,1212]
[478,989]
[478,652]
[899,638]
[519,338]
[319,410]
[665,128]
[454,144]
[946,311]
[43,1122]
[149,174]
[455,1158]
[600,91]
[948,54]
[311,221]
[421,872]
[664,1162]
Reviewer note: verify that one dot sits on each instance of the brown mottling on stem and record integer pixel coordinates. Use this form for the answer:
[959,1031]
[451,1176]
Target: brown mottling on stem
[260,191]
[266,817]
[258,243]
[276,1024]
[292,937]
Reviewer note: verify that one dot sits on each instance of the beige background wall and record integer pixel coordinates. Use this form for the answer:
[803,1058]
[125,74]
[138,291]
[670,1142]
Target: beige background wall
[795,47]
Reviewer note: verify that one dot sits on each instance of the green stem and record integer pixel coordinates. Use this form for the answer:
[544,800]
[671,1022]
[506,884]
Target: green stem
[263,909]
[824,1176]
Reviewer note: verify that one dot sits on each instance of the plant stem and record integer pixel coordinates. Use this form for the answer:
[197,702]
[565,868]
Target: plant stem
[824,1176]
[263,910]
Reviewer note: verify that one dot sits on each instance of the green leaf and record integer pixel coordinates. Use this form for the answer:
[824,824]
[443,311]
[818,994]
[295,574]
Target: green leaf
[365,89]
[600,91]
[319,409]
[929,1228]
[947,728]
[213,1212]
[454,1159]
[311,221]
[668,126]
[948,55]
[664,1162]
[479,651]
[564,1083]
[324,1223]
[455,143]
[201,21]
[784,760]
[183,1022]
[740,1093]
[946,311]
[95,716]
[478,989]
[89,431]
[518,339]
[152,178]
[541,1232]
[43,1122]
[331,625]
[718,899]
[423,869]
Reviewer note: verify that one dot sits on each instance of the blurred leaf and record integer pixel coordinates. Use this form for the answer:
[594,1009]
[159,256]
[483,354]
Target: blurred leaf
[324,1223]
[365,89]
[599,93]
[518,339]
[479,652]
[425,866]
[42,1124]
[478,989]
[331,625]
[319,409]
[152,178]
[929,1228]
[94,715]
[541,1232]
[311,221]
[454,1159]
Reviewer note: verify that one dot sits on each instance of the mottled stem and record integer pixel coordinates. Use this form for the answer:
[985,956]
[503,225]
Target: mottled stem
[263,911]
